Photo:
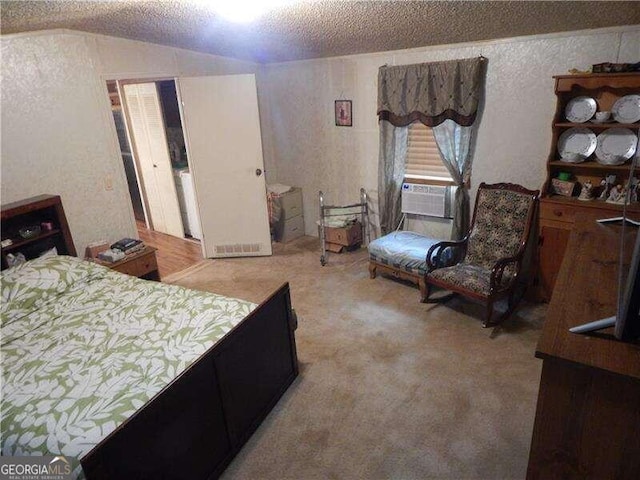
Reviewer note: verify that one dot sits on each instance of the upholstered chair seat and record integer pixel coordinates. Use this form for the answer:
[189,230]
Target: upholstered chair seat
[470,277]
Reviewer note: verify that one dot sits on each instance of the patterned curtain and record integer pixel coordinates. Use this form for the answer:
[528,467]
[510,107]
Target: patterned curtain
[435,94]
[453,143]
[391,166]
[430,92]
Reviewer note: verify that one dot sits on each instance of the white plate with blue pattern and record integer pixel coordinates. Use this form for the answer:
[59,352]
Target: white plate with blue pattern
[576,144]
[616,146]
[626,109]
[580,109]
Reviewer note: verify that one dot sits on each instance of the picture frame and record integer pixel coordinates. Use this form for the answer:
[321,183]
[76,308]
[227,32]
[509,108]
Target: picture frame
[343,113]
[562,187]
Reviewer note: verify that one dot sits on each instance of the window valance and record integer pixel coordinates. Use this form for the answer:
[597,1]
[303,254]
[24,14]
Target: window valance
[430,92]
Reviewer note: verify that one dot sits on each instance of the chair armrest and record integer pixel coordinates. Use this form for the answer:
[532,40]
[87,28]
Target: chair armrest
[498,269]
[437,251]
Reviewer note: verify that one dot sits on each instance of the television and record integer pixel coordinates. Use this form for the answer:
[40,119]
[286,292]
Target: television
[627,318]
[627,325]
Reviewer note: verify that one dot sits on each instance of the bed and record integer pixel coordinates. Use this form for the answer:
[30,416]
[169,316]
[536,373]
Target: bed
[136,379]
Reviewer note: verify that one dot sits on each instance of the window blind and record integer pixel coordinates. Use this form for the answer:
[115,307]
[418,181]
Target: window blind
[423,157]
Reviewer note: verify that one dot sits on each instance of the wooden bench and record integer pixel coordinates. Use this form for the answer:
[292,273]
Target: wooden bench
[401,255]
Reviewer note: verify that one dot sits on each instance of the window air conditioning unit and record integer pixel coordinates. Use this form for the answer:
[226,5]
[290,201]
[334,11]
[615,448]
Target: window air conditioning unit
[430,200]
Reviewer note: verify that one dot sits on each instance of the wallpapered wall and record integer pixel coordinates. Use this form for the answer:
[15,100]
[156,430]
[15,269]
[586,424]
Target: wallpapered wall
[512,142]
[58,135]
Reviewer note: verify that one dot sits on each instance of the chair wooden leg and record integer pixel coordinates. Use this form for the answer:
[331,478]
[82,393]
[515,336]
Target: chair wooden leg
[427,292]
[372,270]
[515,296]
[424,290]
[487,320]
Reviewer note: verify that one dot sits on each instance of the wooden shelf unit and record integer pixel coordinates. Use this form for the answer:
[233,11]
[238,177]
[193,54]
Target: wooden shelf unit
[588,165]
[35,211]
[605,89]
[114,96]
[597,126]
[557,212]
[16,245]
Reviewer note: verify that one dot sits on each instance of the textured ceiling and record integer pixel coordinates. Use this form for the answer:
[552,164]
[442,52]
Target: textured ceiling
[313,29]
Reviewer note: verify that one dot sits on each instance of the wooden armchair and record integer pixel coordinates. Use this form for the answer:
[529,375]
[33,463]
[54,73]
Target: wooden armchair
[490,256]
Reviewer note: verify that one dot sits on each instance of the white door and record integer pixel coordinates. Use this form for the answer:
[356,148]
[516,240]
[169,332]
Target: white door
[150,145]
[222,133]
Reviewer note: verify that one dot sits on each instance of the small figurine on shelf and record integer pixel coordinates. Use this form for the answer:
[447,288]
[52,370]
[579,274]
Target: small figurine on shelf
[617,194]
[606,185]
[586,193]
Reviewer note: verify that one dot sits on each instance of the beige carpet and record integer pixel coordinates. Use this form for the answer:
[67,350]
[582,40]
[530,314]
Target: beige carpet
[388,387]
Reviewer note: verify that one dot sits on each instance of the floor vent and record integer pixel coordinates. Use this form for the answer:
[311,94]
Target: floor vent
[238,249]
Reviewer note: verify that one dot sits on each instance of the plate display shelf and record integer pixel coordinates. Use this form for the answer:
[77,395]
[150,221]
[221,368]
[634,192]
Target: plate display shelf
[557,212]
[605,89]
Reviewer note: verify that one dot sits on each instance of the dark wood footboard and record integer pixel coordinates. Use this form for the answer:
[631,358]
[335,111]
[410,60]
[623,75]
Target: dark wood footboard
[194,427]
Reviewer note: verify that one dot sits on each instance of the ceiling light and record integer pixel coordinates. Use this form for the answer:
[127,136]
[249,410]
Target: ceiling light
[244,11]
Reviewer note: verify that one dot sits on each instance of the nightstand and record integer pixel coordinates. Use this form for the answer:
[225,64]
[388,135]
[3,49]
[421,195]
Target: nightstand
[142,264]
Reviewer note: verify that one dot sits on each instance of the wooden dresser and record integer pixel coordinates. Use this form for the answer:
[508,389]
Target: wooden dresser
[588,413]
[557,212]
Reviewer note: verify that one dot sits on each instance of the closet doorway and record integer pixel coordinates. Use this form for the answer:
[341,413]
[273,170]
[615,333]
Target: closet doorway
[148,123]
[197,154]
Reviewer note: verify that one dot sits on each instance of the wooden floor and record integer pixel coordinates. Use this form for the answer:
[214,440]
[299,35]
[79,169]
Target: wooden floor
[174,254]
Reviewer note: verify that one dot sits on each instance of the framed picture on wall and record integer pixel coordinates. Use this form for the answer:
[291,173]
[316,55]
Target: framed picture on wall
[343,113]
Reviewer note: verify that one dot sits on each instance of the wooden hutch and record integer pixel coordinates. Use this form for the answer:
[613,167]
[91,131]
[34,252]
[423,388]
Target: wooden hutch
[557,212]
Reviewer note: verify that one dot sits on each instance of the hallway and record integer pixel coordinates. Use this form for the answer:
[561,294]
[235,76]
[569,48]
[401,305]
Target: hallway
[174,254]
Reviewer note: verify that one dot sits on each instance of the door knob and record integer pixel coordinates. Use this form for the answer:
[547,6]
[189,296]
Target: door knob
[155,166]
[258,172]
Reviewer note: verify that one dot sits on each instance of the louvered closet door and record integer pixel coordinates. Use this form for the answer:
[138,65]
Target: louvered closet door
[150,144]
[222,132]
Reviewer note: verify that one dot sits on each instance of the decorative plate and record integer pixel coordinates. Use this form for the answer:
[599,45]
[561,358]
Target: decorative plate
[626,109]
[576,144]
[616,146]
[580,109]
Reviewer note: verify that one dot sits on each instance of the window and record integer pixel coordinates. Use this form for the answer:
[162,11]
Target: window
[423,158]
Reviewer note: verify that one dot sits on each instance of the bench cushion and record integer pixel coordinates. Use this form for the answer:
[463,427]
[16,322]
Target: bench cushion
[402,250]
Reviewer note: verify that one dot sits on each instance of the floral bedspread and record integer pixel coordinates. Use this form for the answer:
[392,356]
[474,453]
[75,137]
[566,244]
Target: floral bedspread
[83,347]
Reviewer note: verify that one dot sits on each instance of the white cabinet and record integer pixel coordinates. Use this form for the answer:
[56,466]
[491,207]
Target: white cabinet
[291,223]
[187,201]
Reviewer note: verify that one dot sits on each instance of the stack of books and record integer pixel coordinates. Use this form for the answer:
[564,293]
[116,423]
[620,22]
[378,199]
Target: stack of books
[128,245]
